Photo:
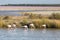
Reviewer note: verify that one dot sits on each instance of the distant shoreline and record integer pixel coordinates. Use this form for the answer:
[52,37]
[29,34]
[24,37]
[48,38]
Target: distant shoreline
[29,7]
[29,4]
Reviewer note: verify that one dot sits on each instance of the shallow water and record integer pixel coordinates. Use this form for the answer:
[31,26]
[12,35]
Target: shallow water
[18,12]
[30,34]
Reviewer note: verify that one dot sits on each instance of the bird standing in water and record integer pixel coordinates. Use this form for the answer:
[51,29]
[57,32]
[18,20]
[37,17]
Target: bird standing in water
[14,25]
[9,26]
[44,25]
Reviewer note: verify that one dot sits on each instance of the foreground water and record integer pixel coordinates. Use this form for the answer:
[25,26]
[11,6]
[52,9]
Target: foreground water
[30,34]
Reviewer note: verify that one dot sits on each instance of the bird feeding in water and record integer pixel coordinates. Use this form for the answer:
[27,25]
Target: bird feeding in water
[25,26]
[44,25]
[32,25]
[9,26]
[14,25]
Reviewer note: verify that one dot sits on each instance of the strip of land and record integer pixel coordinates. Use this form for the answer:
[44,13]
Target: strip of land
[29,8]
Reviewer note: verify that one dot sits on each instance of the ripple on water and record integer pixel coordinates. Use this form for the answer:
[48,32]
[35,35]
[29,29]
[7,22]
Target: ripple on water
[29,34]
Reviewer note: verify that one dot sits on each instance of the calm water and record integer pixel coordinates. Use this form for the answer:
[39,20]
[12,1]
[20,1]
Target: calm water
[30,34]
[17,12]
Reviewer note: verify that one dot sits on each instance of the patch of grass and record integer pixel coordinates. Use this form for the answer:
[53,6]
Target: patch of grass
[2,24]
[49,23]
[55,16]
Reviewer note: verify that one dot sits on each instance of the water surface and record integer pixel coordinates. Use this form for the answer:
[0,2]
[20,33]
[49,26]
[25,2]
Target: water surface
[30,34]
[18,12]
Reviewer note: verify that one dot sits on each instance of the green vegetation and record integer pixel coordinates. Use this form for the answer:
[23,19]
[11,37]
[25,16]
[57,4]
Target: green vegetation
[2,24]
[34,16]
[55,16]
[40,22]
[52,21]
[31,5]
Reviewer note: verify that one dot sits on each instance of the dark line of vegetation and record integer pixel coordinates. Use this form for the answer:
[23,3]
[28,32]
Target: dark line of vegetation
[30,5]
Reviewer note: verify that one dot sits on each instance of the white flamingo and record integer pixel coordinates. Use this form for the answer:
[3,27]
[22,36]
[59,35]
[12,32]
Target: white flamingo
[14,25]
[32,25]
[44,25]
[9,26]
[25,26]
